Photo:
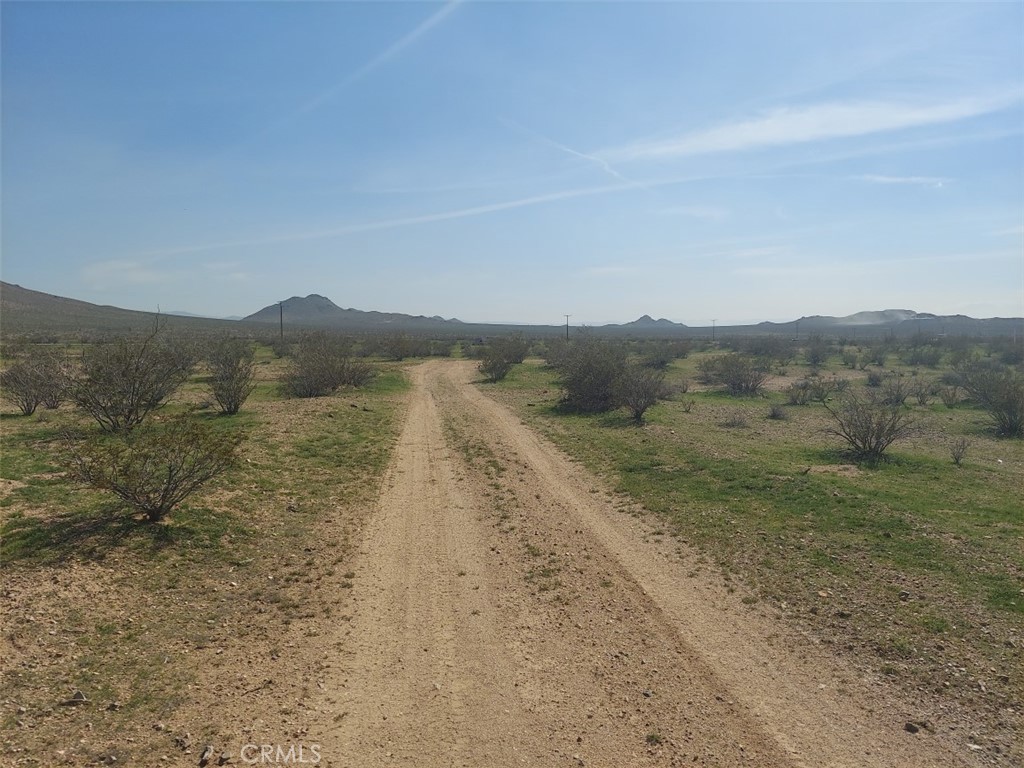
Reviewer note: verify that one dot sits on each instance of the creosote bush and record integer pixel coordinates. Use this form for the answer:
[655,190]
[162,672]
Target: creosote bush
[590,369]
[154,467]
[1000,391]
[232,370]
[868,423]
[321,363]
[120,382]
[498,357]
[639,387]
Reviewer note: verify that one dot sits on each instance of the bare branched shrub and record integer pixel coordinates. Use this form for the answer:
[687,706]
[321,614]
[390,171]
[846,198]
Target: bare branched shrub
[154,467]
[735,420]
[741,374]
[638,388]
[232,370]
[923,390]
[895,390]
[958,450]
[950,395]
[868,423]
[1000,391]
[120,382]
[321,363]
[23,385]
[799,392]
[687,405]
[821,389]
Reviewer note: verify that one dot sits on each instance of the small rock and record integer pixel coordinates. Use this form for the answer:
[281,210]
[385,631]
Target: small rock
[648,694]
[76,699]
[904,595]
[114,706]
[205,757]
[224,758]
[911,728]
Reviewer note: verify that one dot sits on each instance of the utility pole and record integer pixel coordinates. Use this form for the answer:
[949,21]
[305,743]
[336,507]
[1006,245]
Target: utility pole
[567,327]
[713,330]
[280,307]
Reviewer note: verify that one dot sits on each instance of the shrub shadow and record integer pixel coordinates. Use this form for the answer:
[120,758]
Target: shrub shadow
[79,535]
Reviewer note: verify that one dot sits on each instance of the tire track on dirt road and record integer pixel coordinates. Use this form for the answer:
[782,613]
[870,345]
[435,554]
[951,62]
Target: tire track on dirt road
[506,613]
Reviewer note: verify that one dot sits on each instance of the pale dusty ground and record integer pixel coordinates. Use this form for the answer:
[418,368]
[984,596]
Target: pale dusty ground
[508,612]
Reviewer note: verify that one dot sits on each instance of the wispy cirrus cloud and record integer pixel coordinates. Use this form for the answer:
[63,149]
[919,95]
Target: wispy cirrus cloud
[924,181]
[704,212]
[594,159]
[816,122]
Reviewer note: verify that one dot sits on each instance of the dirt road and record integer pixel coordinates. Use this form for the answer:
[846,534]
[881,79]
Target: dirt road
[508,611]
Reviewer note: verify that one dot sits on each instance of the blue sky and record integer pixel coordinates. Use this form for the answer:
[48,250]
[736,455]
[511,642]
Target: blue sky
[517,161]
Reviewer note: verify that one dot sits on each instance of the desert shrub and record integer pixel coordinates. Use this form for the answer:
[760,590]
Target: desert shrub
[498,357]
[638,388]
[23,385]
[868,423]
[1000,392]
[707,370]
[660,354]
[926,355]
[777,412]
[775,349]
[120,382]
[589,372]
[874,379]
[321,363]
[687,405]
[821,389]
[735,420]
[799,392]
[878,354]
[958,450]
[742,374]
[895,390]
[817,351]
[950,395]
[232,370]
[850,358]
[923,390]
[155,466]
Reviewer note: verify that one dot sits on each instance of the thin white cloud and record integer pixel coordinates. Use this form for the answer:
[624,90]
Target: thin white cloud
[352,77]
[705,212]
[594,159]
[383,57]
[924,181]
[817,122]
[406,221]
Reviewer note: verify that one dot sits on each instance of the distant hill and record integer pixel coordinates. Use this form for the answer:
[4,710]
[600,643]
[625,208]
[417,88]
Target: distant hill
[646,321]
[317,311]
[900,322]
[24,311]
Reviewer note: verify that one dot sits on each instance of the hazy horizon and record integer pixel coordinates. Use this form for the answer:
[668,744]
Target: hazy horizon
[513,162]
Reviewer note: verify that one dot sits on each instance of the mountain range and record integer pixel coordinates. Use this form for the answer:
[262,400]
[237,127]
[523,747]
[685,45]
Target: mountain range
[23,310]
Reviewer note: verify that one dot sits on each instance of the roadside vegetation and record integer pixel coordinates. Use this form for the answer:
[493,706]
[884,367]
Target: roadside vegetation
[162,559]
[870,492]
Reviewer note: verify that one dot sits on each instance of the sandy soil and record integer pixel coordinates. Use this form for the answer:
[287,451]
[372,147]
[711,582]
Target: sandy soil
[509,611]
